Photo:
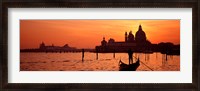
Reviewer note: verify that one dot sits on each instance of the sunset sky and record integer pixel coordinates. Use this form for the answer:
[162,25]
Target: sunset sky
[89,33]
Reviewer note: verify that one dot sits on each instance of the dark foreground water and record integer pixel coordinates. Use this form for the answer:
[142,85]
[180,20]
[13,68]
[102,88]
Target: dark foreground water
[105,62]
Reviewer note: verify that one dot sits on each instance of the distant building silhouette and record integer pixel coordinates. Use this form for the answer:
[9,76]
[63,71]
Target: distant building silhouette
[130,37]
[138,43]
[42,45]
[103,42]
[51,48]
[126,37]
[130,42]
[66,47]
[140,36]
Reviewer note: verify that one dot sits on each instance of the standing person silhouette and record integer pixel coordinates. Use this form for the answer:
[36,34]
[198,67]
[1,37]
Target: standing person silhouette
[130,55]
[83,55]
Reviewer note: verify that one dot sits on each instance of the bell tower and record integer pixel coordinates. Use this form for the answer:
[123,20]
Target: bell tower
[126,36]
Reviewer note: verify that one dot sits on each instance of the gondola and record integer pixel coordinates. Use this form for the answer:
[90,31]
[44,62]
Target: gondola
[131,67]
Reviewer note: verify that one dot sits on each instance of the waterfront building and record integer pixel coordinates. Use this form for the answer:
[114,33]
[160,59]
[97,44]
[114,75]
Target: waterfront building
[138,42]
[44,47]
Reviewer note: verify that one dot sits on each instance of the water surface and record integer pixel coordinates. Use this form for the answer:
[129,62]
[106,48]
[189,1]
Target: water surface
[105,62]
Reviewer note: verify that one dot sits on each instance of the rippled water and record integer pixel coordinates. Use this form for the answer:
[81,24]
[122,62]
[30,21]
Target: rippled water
[105,62]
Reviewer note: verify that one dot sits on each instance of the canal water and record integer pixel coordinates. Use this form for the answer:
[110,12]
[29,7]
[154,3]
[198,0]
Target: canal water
[105,62]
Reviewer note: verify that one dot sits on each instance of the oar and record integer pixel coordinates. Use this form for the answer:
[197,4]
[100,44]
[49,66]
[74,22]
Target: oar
[144,64]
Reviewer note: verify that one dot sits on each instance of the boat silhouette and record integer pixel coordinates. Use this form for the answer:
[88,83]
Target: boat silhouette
[129,67]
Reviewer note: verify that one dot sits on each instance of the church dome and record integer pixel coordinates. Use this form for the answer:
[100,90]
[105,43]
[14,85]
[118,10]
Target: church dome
[140,35]
[131,37]
[111,40]
[103,42]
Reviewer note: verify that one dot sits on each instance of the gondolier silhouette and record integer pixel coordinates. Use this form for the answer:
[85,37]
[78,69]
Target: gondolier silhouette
[130,55]
[131,66]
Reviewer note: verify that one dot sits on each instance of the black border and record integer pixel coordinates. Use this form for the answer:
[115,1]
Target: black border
[194,4]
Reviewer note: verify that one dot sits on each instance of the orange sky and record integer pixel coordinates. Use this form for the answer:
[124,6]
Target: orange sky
[89,33]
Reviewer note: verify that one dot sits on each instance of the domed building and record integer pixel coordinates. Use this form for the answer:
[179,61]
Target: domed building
[111,40]
[138,42]
[103,42]
[131,37]
[42,45]
[140,36]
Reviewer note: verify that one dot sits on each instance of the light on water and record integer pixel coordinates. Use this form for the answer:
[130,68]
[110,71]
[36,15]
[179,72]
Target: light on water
[105,62]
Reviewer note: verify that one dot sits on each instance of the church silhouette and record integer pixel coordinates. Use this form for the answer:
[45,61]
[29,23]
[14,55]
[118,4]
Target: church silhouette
[137,43]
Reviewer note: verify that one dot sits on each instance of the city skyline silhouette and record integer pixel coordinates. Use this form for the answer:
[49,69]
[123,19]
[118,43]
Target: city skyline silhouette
[75,33]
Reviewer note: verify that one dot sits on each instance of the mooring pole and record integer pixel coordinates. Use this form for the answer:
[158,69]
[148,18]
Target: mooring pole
[96,54]
[114,54]
[147,66]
